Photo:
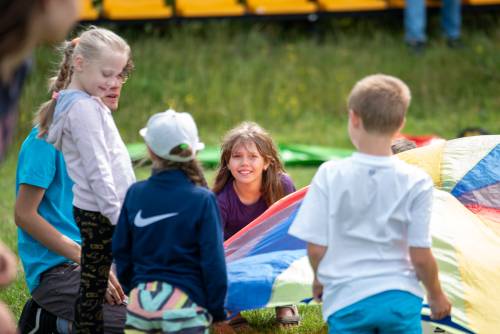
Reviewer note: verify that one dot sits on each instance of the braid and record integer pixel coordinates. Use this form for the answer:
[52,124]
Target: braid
[46,111]
[192,169]
[63,77]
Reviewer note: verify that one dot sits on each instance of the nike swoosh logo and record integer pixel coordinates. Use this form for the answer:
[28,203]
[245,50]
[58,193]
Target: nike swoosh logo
[139,221]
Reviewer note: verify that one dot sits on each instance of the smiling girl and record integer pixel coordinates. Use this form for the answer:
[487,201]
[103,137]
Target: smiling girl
[249,179]
[250,176]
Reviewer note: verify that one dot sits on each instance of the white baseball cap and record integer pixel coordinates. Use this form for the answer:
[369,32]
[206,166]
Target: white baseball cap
[169,129]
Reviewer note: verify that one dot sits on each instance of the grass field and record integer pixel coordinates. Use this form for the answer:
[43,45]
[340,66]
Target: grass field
[291,78]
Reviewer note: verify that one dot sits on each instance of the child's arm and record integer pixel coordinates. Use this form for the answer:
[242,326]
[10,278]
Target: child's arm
[311,225]
[27,217]
[222,205]
[213,263]
[420,241]
[427,271]
[121,247]
[7,320]
[315,254]
[87,131]
[8,267]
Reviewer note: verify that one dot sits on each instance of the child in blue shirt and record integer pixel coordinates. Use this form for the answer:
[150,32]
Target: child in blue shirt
[366,221]
[49,239]
[168,243]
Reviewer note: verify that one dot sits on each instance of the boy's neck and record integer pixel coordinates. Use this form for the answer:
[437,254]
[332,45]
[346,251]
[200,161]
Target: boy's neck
[375,144]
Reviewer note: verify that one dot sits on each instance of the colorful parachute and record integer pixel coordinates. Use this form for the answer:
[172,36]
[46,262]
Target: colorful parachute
[268,267]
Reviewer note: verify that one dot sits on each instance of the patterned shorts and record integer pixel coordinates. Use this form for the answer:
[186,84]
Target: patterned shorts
[158,307]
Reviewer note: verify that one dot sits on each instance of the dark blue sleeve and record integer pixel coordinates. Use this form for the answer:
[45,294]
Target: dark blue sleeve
[213,262]
[122,246]
[222,205]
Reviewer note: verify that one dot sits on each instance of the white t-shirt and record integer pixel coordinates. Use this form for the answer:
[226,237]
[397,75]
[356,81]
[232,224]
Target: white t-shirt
[368,210]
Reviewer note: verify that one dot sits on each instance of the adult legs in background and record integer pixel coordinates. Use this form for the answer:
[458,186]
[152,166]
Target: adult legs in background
[415,20]
[451,19]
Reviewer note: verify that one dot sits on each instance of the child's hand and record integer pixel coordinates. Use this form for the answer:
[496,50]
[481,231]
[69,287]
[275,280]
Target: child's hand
[7,266]
[317,290]
[114,292]
[7,321]
[440,306]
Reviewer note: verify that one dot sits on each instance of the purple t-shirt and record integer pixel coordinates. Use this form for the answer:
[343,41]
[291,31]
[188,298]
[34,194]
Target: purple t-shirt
[235,214]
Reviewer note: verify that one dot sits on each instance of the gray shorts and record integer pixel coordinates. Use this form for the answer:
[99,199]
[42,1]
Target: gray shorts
[58,291]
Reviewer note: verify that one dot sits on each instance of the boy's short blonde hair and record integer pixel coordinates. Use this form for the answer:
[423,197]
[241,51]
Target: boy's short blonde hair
[381,101]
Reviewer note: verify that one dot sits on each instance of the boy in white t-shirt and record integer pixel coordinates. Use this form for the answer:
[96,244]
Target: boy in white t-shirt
[366,222]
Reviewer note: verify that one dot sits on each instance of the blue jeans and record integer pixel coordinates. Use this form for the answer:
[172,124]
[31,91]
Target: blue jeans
[389,312]
[415,20]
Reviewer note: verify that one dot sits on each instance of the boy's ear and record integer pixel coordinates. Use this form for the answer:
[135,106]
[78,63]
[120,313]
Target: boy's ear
[354,118]
[403,123]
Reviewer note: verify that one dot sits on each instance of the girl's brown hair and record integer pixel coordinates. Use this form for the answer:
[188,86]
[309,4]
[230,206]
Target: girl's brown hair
[192,168]
[249,132]
[89,45]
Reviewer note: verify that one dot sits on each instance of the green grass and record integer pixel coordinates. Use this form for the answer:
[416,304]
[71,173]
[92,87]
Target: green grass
[292,80]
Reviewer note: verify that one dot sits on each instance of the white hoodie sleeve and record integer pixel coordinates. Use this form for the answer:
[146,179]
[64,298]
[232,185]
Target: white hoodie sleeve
[87,126]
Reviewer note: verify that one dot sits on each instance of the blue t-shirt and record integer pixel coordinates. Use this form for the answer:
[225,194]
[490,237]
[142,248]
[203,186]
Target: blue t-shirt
[41,165]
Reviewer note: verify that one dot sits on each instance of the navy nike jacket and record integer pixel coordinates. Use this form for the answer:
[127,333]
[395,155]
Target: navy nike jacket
[169,230]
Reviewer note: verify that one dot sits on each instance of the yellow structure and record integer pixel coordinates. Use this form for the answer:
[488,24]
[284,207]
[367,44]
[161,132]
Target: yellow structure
[351,6]
[481,2]
[401,3]
[158,9]
[88,11]
[281,7]
[135,9]
[207,8]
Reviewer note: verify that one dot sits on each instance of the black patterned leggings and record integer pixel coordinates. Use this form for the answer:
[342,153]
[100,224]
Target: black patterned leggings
[96,232]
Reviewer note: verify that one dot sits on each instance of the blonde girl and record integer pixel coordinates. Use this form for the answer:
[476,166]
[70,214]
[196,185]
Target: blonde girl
[79,124]
[250,178]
